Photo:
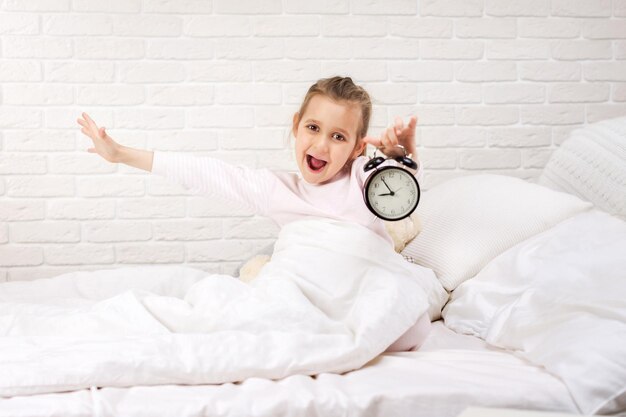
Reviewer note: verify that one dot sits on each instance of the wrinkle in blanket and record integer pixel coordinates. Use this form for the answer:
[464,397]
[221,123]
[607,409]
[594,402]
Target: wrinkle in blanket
[333,297]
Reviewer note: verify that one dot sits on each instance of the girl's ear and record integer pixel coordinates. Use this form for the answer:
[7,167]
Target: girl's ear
[296,120]
[359,148]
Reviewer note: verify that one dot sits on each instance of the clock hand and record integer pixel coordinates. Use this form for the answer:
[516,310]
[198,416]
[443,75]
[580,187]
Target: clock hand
[392,192]
[384,182]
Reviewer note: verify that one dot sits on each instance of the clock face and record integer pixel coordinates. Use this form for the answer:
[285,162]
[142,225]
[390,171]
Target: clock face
[392,193]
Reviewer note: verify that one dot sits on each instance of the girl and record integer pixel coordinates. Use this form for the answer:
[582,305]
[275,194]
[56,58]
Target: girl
[330,132]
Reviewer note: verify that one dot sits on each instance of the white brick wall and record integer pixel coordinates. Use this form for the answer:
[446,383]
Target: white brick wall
[497,85]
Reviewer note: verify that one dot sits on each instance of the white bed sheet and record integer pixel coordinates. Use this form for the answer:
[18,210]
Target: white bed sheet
[449,373]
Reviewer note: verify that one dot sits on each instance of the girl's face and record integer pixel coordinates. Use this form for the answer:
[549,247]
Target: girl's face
[326,138]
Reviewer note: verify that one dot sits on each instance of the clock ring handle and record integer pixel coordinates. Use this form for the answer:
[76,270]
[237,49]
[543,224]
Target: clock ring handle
[404,160]
[377,148]
[373,163]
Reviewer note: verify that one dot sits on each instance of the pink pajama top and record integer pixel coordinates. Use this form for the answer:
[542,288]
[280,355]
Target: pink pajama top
[282,196]
[285,197]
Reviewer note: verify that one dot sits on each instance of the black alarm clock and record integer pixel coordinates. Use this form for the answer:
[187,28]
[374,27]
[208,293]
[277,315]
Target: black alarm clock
[391,192]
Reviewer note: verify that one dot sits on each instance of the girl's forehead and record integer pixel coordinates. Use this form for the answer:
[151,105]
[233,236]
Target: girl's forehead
[341,114]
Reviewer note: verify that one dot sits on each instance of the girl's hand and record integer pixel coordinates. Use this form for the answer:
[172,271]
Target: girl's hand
[103,144]
[396,135]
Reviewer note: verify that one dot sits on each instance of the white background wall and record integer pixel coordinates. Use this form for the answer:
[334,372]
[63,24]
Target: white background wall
[496,84]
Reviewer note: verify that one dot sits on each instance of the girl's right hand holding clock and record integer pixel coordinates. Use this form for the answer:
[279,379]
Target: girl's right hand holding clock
[399,134]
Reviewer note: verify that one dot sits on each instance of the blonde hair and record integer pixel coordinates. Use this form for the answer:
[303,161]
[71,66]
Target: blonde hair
[342,89]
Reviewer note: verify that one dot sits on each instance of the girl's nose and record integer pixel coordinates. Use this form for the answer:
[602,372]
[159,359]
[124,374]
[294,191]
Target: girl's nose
[321,144]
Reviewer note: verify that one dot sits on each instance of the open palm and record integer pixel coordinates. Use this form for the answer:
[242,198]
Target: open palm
[103,144]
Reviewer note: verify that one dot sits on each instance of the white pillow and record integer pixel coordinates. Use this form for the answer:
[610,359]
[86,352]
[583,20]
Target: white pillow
[558,300]
[468,221]
[591,164]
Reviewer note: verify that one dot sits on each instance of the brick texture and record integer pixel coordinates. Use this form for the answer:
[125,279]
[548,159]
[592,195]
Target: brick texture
[497,85]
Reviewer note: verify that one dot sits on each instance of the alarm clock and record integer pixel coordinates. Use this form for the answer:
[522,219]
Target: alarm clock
[391,192]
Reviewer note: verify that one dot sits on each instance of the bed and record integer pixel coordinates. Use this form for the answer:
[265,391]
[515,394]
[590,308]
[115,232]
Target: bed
[450,372]
[536,317]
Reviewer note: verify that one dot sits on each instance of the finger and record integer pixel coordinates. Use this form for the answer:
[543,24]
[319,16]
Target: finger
[399,123]
[386,141]
[86,118]
[90,122]
[88,133]
[101,132]
[392,136]
[372,141]
[412,122]
[81,122]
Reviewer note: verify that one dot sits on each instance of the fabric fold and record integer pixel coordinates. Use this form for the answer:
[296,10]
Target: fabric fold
[333,297]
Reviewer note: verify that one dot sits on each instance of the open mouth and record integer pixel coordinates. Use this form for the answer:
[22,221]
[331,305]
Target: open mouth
[315,165]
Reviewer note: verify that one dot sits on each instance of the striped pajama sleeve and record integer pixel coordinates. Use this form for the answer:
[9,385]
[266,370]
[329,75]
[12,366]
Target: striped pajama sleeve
[247,187]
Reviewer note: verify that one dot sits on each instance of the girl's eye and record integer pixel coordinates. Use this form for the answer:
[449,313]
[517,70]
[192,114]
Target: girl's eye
[312,127]
[339,137]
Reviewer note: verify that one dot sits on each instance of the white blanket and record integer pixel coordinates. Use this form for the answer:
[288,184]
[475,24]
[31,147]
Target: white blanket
[559,301]
[333,297]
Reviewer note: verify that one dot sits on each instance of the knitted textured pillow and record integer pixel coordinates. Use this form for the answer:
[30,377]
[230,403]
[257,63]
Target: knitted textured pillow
[591,164]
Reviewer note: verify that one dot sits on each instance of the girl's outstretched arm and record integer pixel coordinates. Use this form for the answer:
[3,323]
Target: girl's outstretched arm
[247,187]
[112,151]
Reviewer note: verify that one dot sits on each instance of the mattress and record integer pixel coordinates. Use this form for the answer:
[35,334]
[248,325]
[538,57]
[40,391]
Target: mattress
[447,374]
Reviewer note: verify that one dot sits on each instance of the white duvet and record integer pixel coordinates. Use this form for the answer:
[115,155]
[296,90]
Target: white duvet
[333,297]
[559,301]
